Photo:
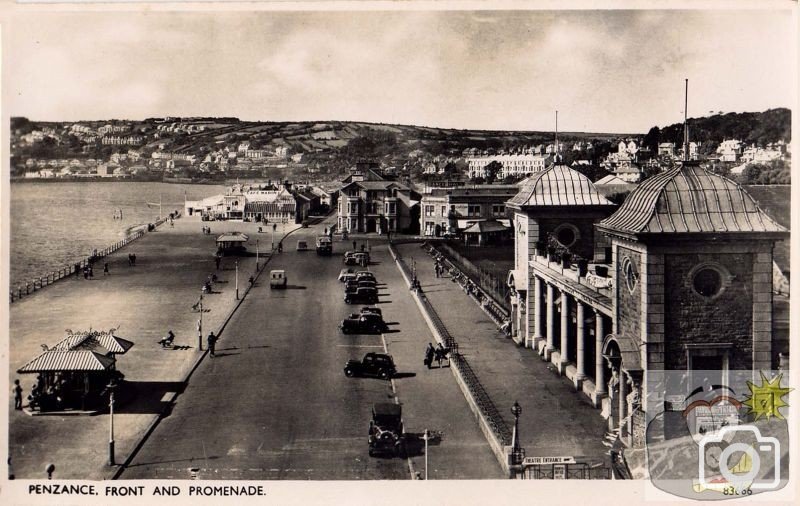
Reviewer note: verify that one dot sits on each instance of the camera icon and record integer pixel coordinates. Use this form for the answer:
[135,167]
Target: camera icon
[760,448]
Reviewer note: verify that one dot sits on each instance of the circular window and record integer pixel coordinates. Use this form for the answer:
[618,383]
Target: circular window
[707,282]
[630,273]
[566,234]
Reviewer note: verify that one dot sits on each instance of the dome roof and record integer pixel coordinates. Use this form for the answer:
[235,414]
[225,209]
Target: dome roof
[558,186]
[689,199]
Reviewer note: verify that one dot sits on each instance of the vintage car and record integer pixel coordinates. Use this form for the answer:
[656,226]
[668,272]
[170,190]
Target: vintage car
[277,279]
[372,310]
[373,364]
[324,245]
[365,275]
[352,284]
[386,435]
[345,274]
[363,295]
[360,258]
[363,323]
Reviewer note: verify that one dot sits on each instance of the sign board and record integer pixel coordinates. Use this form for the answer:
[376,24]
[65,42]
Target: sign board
[560,472]
[538,461]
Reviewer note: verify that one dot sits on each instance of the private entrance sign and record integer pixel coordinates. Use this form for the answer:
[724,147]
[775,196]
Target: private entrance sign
[539,461]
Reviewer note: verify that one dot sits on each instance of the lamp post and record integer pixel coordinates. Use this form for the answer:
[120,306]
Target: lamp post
[426,437]
[274,226]
[256,255]
[200,325]
[237,280]
[111,387]
[516,451]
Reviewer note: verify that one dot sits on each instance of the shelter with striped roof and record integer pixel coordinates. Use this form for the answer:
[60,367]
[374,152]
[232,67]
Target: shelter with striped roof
[74,373]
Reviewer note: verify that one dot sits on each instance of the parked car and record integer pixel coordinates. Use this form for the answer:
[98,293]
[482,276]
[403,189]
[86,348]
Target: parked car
[345,274]
[386,434]
[363,323]
[352,285]
[373,310]
[360,258]
[363,295]
[379,365]
[365,275]
[277,279]
[302,245]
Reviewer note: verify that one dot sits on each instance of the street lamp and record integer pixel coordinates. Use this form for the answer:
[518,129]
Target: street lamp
[111,387]
[516,451]
[256,255]
[200,325]
[426,437]
[237,280]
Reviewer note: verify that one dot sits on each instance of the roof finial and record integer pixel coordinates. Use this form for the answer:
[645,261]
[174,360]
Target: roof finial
[686,123]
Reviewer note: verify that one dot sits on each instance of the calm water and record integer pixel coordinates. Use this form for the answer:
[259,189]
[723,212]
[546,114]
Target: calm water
[57,224]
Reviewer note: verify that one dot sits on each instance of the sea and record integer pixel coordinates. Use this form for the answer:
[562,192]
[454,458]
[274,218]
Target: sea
[54,225]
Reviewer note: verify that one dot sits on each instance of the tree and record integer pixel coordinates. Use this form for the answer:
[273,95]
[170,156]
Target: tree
[492,170]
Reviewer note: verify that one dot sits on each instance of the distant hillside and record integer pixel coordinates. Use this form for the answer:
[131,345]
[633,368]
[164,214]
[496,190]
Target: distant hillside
[759,128]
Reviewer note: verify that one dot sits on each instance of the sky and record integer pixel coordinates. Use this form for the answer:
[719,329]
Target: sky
[603,70]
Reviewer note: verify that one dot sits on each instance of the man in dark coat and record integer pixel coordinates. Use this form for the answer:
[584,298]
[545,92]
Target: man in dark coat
[212,342]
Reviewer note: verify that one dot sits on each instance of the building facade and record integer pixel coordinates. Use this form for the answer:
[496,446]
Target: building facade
[679,278]
[375,207]
[453,210]
[522,164]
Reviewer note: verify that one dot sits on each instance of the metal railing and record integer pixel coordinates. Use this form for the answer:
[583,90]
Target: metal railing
[492,284]
[51,277]
[476,388]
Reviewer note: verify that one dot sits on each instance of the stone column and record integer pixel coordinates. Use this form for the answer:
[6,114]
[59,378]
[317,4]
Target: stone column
[581,343]
[564,331]
[599,370]
[623,383]
[551,317]
[537,310]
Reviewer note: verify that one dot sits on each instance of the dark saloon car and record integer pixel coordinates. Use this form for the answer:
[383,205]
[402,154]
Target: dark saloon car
[386,435]
[364,323]
[363,295]
[378,365]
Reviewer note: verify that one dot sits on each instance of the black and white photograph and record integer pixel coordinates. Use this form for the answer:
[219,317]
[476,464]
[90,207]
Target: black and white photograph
[327,252]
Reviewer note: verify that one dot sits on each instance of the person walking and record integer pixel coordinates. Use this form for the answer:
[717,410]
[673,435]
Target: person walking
[91,272]
[17,395]
[429,352]
[105,269]
[86,272]
[354,245]
[217,260]
[212,342]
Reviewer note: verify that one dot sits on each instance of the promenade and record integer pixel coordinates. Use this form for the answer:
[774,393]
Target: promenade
[556,420]
[142,302]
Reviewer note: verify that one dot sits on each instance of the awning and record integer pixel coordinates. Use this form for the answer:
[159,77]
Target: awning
[462,224]
[483,227]
[631,357]
[76,361]
[233,237]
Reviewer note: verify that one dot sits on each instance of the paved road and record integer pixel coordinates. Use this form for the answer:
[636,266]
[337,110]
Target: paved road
[275,404]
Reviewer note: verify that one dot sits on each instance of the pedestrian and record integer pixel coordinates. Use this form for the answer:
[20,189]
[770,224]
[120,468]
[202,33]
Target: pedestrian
[212,342]
[86,272]
[91,272]
[105,269]
[429,352]
[130,260]
[133,257]
[17,395]
[217,259]
[354,245]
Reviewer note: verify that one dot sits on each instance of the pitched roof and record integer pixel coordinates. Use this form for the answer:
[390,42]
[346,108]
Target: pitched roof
[558,186]
[610,179]
[99,342]
[483,227]
[689,199]
[73,360]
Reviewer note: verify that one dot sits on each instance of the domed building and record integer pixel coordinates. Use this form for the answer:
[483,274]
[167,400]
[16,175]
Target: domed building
[678,278]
